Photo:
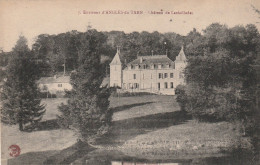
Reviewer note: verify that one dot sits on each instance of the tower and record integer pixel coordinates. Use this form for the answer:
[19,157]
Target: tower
[180,62]
[116,71]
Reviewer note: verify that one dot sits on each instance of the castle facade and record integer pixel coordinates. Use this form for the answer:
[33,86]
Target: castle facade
[153,74]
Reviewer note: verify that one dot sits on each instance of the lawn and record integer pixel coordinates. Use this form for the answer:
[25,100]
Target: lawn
[142,127]
[147,126]
[49,139]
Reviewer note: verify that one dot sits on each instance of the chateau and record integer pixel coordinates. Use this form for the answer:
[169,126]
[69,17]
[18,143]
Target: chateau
[154,74]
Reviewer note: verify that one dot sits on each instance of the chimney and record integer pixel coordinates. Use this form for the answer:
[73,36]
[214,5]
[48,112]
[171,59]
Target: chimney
[141,59]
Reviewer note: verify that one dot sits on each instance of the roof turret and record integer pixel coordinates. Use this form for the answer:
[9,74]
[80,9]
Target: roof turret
[181,56]
[116,60]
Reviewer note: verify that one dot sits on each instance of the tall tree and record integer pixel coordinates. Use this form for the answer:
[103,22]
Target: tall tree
[20,100]
[87,108]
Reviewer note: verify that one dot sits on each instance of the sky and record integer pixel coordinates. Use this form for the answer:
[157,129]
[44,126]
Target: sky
[33,17]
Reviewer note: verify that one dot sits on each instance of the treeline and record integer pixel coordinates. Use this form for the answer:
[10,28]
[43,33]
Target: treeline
[53,51]
[222,77]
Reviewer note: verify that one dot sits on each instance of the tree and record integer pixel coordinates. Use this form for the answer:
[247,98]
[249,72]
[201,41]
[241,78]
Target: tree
[20,96]
[87,111]
[42,49]
[221,81]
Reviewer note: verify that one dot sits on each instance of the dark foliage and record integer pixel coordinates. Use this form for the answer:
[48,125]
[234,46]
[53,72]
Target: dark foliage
[20,95]
[222,77]
[87,108]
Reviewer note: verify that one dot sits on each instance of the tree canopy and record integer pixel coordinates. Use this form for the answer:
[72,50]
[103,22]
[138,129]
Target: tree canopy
[87,108]
[20,95]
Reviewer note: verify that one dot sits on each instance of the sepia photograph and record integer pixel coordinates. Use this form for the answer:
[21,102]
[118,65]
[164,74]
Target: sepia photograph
[130,82]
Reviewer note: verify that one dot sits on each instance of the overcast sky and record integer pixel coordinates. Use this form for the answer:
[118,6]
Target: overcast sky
[33,17]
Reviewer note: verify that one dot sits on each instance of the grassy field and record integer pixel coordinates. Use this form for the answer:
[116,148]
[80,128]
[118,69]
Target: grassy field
[143,123]
[148,124]
[49,138]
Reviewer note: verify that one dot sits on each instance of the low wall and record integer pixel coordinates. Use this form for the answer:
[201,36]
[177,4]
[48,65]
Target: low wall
[170,91]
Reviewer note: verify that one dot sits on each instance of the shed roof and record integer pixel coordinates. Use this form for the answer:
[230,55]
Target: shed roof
[49,80]
[105,82]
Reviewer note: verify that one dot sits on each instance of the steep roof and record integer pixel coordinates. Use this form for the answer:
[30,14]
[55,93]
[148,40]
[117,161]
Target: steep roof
[116,60]
[49,80]
[181,56]
[155,59]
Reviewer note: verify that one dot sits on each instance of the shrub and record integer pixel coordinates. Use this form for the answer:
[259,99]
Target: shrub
[209,104]
[181,96]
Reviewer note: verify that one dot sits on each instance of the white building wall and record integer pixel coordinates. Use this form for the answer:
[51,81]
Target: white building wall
[115,75]
[56,87]
[148,79]
[180,65]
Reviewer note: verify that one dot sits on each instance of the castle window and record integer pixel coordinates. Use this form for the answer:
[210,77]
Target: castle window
[165,85]
[136,85]
[160,75]
[165,75]
[134,76]
[159,86]
[59,85]
[171,75]
[171,84]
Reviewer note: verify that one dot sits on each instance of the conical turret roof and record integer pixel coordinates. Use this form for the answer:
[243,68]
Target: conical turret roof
[116,60]
[181,56]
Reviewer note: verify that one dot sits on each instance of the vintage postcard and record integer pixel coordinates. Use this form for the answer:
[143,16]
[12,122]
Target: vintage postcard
[129,82]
